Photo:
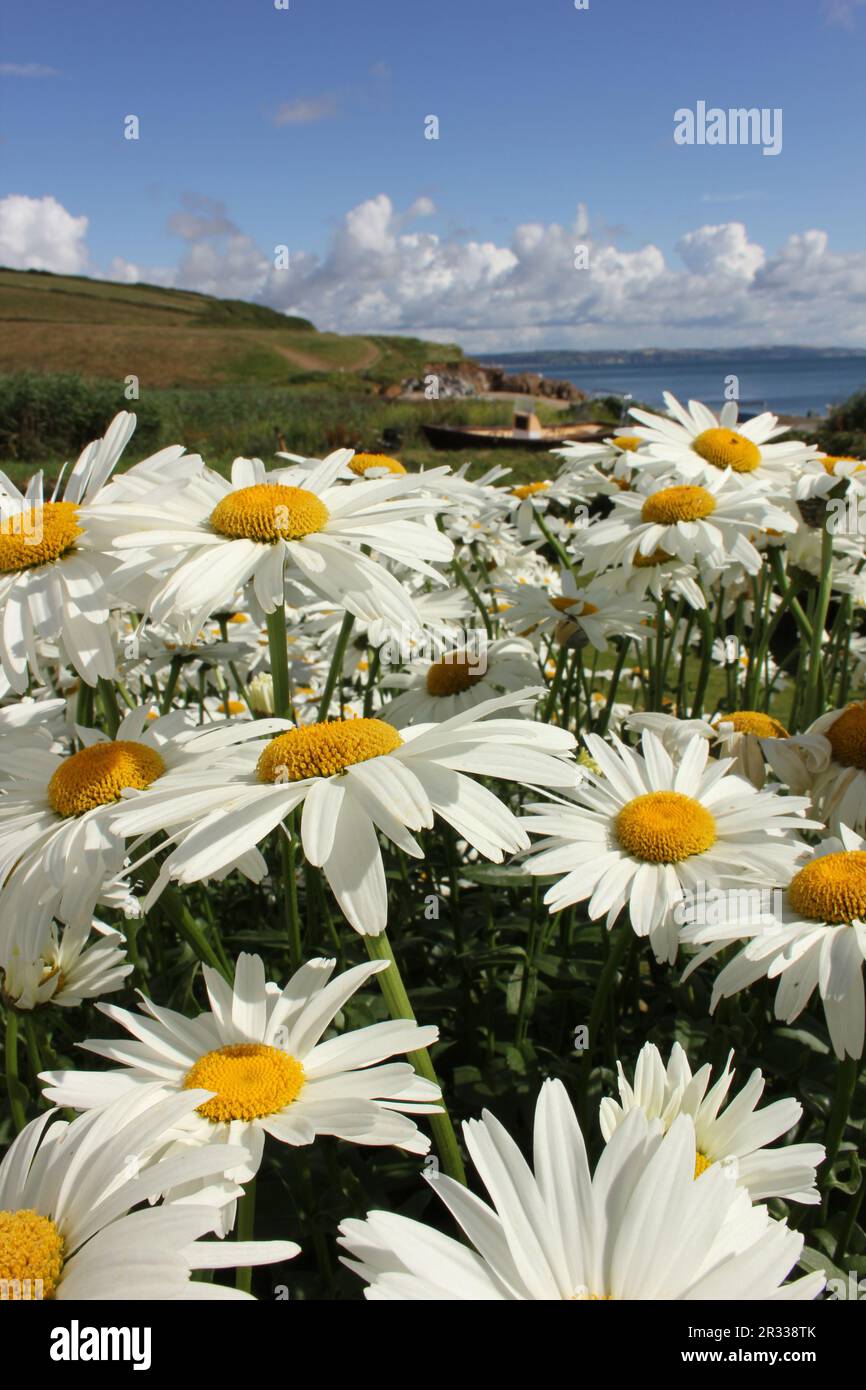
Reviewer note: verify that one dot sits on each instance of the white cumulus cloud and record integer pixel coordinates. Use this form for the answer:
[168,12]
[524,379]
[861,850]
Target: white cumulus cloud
[39,234]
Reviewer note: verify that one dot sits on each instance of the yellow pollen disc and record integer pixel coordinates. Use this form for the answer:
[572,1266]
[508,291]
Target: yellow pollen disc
[454,673]
[646,562]
[847,736]
[829,462]
[752,721]
[31,1255]
[665,827]
[627,441]
[38,535]
[269,512]
[233,707]
[528,490]
[832,888]
[250,1080]
[728,449]
[238,618]
[361,462]
[585,1297]
[322,750]
[702,1163]
[675,504]
[97,775]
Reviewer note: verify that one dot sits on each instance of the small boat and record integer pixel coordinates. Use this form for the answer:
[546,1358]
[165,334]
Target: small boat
[525,433]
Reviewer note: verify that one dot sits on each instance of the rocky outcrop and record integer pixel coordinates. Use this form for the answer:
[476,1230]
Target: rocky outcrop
[470,379]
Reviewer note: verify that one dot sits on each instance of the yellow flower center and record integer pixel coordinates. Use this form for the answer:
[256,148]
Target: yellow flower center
[250,1080]
[728,449]
[361,462]
[528,490]
[269,512]
[829,462]
[702,1163]
[454,673]
[675,504]
[565,605]
[323,750]
[586,1297]
[832,888]
[97,775]
[233,707]
[627,441]
[38,535]
[31,1255]
[847,736]
[752,721]
[665,827]
[646,562]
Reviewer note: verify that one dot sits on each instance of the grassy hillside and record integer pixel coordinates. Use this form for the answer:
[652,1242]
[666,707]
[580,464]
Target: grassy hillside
[176,338]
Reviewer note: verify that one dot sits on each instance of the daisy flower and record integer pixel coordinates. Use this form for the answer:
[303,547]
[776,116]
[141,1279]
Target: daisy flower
[816,939]
[645,829]
[59,854]
[216,536]
[712,524]
[735,1136]
[258,1049]
[71,965]
[822,474]
[840,787]
[53,574]
[599,609]
[698,443]
[641,1228]
[67,1228]
[352,777]
[746,736]
[458,679]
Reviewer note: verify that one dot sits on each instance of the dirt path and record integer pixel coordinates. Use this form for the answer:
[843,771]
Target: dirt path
[309,363]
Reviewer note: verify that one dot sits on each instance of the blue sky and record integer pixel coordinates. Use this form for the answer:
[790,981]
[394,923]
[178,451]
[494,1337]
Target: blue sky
[290,119]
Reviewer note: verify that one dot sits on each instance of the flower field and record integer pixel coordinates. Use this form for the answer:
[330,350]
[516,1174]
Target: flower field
[419,886]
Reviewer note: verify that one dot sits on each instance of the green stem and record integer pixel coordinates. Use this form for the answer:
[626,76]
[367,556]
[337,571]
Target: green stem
[620,939]
[19,1119]
[336,665]
[245,1229]
[846,1081]
[399,1007]
[279,653]
[813,697]
[171,686]
[108,700]
[473,594]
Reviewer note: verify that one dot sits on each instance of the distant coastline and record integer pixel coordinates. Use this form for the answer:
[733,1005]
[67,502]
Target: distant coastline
[791,381]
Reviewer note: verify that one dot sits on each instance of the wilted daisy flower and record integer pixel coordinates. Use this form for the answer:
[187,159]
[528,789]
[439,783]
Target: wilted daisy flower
[435,689]
[67,1228]
[59,855]
[840,788]
[816,938]
[53,576]
[697,443]
[641,1228]
[259,1051]
[821,475]
[216,536]
[596,610]
[735,1137]
[711,524]
[648,828]
[353,777]
[742,735]
[70,965]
